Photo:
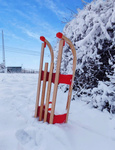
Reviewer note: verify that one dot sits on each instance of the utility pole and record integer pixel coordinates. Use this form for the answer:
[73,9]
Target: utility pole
[3,50]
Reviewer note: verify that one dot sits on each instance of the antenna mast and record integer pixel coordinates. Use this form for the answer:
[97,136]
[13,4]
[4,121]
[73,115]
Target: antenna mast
[3,49]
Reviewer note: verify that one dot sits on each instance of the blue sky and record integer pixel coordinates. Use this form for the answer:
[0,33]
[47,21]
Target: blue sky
[24,21]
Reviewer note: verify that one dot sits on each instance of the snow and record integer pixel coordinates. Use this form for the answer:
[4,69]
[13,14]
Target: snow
[87,128]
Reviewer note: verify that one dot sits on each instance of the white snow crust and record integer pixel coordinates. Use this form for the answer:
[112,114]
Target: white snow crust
[87,128]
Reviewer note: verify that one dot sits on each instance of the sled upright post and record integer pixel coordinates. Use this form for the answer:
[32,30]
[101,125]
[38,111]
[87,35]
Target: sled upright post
[43,111]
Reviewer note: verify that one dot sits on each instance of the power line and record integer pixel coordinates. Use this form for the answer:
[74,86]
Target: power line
[18,48]
[12,51]
[22,51]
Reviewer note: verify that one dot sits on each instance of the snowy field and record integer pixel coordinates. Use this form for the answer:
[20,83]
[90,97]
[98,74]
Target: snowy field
[87,128]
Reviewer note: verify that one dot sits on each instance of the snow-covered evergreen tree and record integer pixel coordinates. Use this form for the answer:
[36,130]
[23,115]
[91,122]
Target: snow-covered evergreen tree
[92,32]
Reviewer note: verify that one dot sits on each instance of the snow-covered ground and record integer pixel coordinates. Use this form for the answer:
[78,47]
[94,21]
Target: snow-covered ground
[87,128]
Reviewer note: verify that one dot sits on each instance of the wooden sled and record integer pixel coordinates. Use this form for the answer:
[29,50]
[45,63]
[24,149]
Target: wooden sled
[43,111]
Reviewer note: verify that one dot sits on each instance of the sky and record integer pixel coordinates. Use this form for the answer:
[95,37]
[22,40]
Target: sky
[24,21]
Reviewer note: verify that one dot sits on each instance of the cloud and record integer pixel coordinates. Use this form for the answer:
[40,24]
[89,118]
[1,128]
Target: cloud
[14,36]
[32,34]
[3,3]
[43,29]
[21,13]
[11,35]
[54,7]
[29,23]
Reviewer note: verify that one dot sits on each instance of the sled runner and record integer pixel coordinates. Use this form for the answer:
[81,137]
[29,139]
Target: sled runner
[43,111]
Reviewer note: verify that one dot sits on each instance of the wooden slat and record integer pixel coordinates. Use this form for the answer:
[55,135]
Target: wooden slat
[56,81]
[51,50]
[43,92]
[39,80]
[48,92]
[74,68]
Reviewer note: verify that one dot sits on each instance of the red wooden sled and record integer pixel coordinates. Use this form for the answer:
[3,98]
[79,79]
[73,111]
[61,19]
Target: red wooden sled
[43,111]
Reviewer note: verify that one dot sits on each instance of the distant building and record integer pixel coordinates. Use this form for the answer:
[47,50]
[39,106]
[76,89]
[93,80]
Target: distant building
[14,69]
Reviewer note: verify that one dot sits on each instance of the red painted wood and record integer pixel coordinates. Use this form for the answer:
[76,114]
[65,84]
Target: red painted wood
[57,118]
[42,38]
[59,35]
[65,79]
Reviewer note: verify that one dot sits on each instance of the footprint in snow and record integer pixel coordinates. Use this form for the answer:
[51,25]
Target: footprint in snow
[23,136]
